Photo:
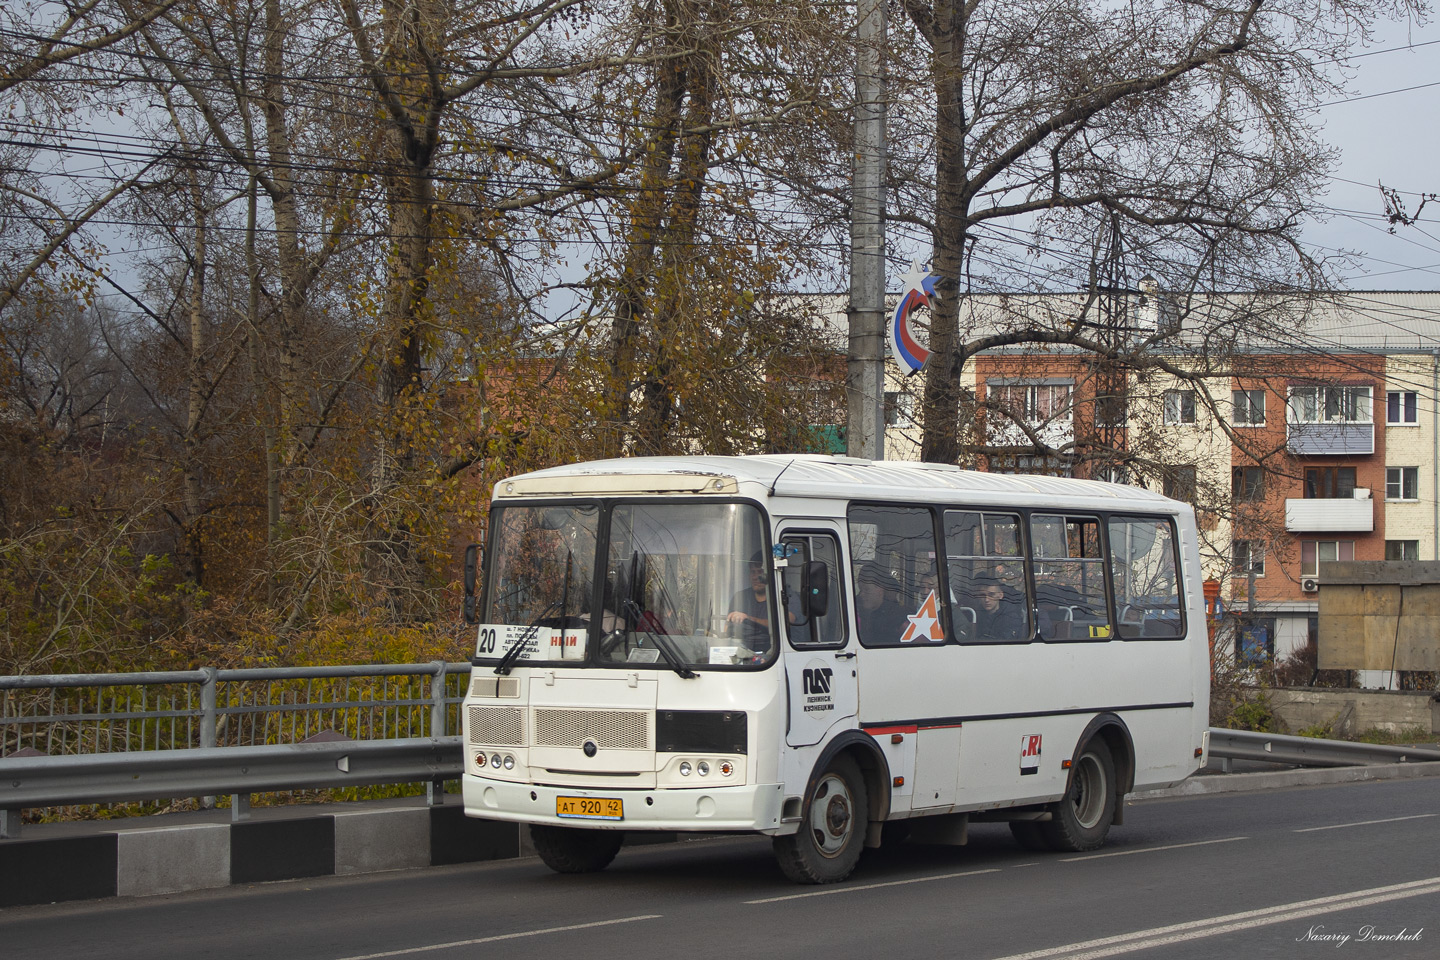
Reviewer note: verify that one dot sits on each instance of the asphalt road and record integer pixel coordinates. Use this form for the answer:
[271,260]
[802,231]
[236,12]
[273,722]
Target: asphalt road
[1307,872]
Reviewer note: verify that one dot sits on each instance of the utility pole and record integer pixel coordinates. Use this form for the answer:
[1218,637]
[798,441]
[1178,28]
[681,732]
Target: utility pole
[865,370]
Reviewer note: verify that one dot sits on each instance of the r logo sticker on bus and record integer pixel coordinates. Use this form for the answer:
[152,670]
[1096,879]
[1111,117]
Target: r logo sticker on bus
[1030,754]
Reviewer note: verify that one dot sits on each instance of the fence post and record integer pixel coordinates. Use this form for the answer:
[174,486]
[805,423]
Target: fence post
[208,725]
[207,706]
[435,789]
[10,824]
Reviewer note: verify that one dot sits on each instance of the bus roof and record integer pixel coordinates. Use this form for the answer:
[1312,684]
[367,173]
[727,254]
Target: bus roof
[820,475]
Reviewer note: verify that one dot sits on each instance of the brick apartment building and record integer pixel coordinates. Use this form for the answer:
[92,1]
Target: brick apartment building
[1296,450]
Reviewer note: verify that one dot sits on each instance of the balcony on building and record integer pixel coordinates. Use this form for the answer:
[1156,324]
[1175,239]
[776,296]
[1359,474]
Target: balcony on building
[1353,514]
[1044,405]
[1330,421]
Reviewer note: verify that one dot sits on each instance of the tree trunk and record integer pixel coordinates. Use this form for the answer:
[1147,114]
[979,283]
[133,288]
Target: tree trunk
[940,410]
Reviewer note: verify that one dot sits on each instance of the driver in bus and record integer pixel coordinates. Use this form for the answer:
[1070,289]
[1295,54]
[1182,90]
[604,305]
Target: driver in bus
[749,616]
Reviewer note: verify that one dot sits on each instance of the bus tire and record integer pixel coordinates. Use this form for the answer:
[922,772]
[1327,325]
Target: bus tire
[1027,834]
[571,850]
[1081,819]
[832,830]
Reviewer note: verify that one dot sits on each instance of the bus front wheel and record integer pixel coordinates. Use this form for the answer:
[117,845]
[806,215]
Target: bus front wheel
[1081,819]
[832,832]
[571,850]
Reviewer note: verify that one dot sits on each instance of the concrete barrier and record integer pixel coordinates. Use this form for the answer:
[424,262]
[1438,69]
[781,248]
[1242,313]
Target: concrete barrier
[171,853]
[1353,711]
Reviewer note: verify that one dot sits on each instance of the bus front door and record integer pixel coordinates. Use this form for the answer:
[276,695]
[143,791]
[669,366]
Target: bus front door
[820,662]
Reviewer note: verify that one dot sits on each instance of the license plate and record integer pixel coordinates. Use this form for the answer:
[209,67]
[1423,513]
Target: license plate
[590,808]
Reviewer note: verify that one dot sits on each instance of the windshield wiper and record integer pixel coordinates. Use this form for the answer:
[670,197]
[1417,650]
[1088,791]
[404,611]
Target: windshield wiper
[512,652]
[661,642]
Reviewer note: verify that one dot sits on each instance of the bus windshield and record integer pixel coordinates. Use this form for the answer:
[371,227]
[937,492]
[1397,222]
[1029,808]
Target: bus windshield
[682,585]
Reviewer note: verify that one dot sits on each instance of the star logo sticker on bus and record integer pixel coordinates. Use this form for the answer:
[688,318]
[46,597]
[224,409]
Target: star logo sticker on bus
[925,625]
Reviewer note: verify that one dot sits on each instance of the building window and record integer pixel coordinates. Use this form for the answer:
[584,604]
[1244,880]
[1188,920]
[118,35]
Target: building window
[1247,483]
[1330,405]
[1254,640]
[1402,406]
[1315,552]
[1402,549]
[899,408]
[1178,483]
[1035,402]
[1329,483]
[1247,557]
[1248,408]
[1112,410]
[1402,483]
[1179,406]
[1110,472]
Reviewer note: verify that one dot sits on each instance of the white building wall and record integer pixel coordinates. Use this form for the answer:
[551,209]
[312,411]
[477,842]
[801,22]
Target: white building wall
[1414,445]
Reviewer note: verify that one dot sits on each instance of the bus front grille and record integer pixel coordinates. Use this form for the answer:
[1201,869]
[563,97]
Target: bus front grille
[497,726]
[609,729]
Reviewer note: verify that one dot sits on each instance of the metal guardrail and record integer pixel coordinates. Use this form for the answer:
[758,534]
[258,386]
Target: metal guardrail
[117,712]
[110,738]
[148,775]
[210,732]
[1308,751]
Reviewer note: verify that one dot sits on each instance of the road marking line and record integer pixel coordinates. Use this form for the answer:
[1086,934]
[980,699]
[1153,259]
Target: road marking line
[1366,823]
[504,936]
[1230,923]
[872,886]
[1126,853]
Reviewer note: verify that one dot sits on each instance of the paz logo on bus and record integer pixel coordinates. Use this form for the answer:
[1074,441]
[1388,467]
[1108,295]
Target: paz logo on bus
[1030,753]
[817,679]
[815,688]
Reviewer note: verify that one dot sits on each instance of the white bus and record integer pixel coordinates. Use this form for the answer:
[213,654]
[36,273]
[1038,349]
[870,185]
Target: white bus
[828,651]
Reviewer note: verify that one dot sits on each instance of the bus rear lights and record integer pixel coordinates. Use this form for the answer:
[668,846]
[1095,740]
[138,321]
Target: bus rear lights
[726,768]
[702,768]
[685,768]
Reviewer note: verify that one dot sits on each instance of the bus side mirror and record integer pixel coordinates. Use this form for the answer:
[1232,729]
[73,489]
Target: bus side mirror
[817,588]
[472,552]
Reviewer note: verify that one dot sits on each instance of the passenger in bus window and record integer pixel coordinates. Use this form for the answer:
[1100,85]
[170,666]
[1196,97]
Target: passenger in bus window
[997,617]
[881,619]
[749,616]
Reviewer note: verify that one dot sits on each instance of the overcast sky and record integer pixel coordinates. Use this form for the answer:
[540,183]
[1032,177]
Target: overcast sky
[1388,134]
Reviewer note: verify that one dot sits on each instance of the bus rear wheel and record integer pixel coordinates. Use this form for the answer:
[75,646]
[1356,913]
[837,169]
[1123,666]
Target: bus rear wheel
[570,850]
[1081,819]
[832,832]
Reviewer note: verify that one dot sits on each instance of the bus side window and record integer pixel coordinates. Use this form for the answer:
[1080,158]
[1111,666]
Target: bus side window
[806,554]
[1070,578]
[1143,565]
[985,558]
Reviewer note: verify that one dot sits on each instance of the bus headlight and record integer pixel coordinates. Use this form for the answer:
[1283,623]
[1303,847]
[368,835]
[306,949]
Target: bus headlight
[509,762]
[685,768]
[702,768]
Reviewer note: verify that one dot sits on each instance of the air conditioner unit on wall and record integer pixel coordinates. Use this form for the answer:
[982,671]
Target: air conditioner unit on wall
[1309,585]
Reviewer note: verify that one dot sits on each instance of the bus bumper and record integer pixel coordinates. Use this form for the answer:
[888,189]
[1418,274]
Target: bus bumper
[749,808]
